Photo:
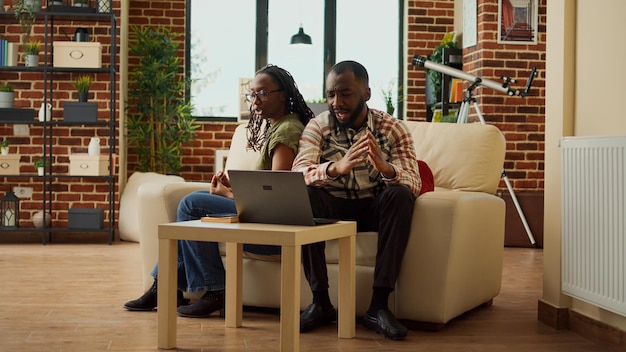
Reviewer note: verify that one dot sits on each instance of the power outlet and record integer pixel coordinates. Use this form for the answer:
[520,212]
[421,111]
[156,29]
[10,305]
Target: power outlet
[23,192]
[21,130]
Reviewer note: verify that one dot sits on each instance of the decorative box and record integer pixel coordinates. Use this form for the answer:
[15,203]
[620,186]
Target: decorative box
[88,165]
[9,164]
[80,112]
[87,219]
[77,54]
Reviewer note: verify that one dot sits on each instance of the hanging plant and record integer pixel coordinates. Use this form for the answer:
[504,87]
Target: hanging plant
[159,120]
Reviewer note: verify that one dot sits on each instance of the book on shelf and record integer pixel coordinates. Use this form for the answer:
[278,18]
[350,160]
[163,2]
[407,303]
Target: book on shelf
[8,53]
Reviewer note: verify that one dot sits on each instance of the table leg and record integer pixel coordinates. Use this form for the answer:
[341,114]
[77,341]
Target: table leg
[166,298]
[290,298]
[347,287]
[234,275]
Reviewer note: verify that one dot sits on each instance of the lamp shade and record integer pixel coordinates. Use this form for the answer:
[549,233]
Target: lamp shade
[301,37]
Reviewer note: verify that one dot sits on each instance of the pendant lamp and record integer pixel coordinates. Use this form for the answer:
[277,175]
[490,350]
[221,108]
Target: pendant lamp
[301,37]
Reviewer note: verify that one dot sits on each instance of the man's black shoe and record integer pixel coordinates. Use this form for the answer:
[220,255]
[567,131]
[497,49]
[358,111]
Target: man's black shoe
[315,315]
[385,323]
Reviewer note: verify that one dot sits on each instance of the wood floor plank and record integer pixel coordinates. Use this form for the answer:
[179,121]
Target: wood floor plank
[69,297]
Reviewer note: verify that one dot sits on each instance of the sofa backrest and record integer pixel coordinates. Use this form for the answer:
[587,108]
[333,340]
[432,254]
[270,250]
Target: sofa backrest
[467,157]
[240,157]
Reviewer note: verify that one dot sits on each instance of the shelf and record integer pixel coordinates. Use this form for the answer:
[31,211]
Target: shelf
[43,68]
[63,16]
[53,20]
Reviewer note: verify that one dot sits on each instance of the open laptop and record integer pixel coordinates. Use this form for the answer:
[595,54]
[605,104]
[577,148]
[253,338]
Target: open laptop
[273,197]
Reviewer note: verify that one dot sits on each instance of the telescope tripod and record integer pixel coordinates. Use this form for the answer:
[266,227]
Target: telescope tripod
[462,118]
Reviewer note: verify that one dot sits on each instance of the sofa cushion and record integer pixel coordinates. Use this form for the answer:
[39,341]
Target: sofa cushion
[471,159]
[426,174]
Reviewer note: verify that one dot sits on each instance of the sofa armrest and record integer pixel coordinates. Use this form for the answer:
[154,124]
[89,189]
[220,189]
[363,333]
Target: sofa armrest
[157,205]
[455,253]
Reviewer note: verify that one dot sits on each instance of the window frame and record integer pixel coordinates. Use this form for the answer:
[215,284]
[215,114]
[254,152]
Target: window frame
[261,47]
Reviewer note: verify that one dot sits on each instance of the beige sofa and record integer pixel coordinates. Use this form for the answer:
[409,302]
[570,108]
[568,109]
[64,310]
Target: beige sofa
[453,261]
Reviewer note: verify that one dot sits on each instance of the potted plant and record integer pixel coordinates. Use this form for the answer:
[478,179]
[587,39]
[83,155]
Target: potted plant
[31,53]
[7,96]
[4,146]
[82,85]
[40,164]
[159,120]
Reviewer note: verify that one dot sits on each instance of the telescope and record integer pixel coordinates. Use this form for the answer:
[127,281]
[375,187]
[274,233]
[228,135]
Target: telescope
[505,87]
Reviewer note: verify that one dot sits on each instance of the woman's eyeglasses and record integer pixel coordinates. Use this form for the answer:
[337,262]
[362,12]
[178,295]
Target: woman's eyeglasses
[250,97]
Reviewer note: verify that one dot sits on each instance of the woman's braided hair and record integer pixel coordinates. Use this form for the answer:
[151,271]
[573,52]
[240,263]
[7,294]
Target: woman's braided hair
[295,104]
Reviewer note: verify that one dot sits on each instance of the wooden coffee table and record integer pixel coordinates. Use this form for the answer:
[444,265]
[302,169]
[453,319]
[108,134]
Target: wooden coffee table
[290,238]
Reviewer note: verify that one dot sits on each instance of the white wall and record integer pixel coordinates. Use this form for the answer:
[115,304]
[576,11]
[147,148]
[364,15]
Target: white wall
[585,68]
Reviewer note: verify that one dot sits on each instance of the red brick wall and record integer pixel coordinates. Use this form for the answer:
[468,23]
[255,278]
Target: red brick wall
[521,120]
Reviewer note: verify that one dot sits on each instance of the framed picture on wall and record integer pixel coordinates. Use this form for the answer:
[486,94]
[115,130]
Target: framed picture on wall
[518,21]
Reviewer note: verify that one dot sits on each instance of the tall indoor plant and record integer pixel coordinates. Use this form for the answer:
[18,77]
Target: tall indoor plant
[159,120]
[25,13]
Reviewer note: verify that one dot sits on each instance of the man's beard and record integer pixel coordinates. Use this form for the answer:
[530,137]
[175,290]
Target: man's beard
[354,115]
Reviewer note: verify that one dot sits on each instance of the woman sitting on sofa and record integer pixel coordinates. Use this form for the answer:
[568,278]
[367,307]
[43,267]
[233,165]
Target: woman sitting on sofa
[275,99]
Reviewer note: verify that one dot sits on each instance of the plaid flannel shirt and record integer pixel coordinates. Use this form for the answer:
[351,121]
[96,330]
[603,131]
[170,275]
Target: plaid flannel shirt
[323,142]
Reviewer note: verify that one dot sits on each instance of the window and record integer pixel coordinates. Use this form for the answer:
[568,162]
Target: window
[226,43]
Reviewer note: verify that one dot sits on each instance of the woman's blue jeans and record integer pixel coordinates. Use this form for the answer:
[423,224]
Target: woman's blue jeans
[200,266]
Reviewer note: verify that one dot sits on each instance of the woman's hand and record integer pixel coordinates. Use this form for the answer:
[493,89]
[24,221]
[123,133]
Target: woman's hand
[220,185]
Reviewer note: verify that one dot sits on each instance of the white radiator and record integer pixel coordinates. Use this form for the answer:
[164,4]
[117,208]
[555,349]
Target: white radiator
[593,212]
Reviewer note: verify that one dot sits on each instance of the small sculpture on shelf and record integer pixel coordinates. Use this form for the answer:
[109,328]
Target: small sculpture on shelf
[9,211]
[41,219]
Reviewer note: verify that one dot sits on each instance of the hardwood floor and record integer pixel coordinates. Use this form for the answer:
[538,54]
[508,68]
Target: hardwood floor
[69,296]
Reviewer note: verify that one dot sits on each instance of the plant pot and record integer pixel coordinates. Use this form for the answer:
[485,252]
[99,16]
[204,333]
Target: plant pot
[83,97]
[40,171]
[31,60]
[34,5]
[4,151]
[7,99]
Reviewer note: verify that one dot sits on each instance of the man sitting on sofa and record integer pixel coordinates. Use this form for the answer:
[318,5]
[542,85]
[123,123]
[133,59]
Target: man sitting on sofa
[359,164]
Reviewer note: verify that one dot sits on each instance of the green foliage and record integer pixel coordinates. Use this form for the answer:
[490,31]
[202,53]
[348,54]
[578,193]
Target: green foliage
[32,47]
[6,87]
[5,143]
[387,95]
[41,162]
[83,83]
[435,77]
[159,118]
[25,14]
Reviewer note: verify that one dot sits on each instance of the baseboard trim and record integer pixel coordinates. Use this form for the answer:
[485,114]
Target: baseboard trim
[598,332]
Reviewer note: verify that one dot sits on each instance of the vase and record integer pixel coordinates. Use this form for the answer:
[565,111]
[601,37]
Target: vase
[94,146]
[40,171]
[41,219]
[4,151]
[6,99]
[31,60]
[45,112]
